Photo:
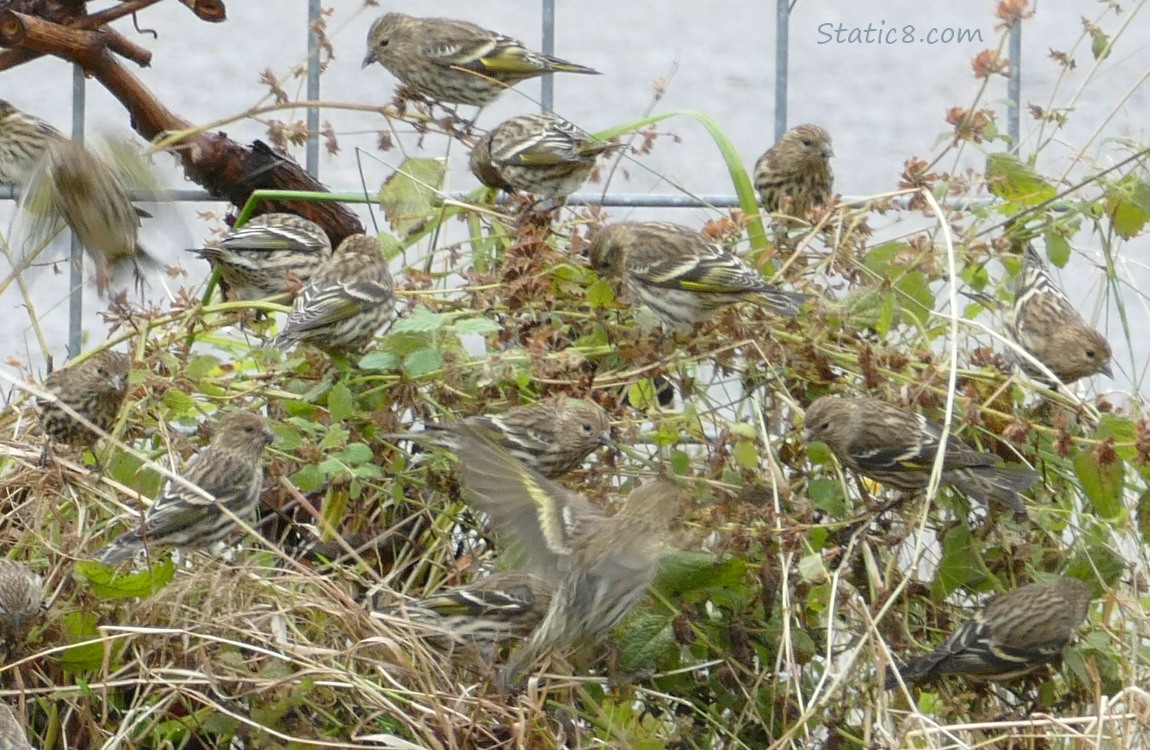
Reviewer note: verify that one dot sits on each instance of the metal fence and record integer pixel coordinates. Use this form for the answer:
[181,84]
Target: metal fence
[547,12]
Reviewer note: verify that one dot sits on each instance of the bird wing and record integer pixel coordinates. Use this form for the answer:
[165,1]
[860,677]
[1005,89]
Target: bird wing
[559,142]
[318,307]
[714,271]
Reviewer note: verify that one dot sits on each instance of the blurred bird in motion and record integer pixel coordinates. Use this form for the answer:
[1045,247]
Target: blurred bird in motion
[552,438]
[12,734]
[1015,633]
[228,470]
[794,176]
[95,389]
[897,447]
[271,254]
[540,154]
[1043,322]
[347,301]
[90,194]
[488,612]
[681,275]
[23,140]
[599,567]
[455,62]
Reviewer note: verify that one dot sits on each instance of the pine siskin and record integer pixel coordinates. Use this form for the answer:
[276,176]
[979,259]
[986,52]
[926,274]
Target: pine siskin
[23,140]
[349,298]
[95,389]
[271,254]
[682,276]
[455,62]
[487,612]
[12,734]
[897,447]
[794,176]
[91,196]
[228,469]
[551,438]
[600,567]
[1044,323]
[1015,633]
[21,599]
[540,154]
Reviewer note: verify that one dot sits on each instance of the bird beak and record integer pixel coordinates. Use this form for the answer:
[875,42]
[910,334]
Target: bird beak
[368,59]
[828,152]
[606,441]
[1105,370]
[269,437]
[119,382]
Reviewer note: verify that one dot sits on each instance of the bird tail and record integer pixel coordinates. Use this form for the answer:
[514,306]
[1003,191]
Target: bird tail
[998,484]
[781,302]
[594,148]
[118,551]
[563,66]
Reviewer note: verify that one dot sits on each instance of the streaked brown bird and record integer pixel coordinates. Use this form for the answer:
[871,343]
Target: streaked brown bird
[271,254]
[21,600]
[540,154]
[487,612]
[681,275]
[90,195]
[1015,633]
[552,438]
[94,388]
[12,734]
[600,567]
[897,447]
[455,62]
[349,298]
[23,140]
[1046,325]
[794,176]
[228,470]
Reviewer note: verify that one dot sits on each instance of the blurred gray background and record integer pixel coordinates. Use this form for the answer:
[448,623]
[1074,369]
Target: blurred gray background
[881,103]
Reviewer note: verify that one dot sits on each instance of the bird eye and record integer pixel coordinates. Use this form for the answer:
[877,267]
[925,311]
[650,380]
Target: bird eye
[381,43]
[101,372]
[249,429]
[808,142]
[587,428]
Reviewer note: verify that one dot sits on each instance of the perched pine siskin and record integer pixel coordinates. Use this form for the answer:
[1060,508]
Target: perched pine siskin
[897,447]
[228,469]
[23,140]
[682,276]
[271,254]
[1015,633]
[794,176]
[487,612]
[540,154]
[1044,323]
[600,567]
[455,62]
[551,438]
[21,598]
[349,298]
[95,389]
[91,196]
[12,734]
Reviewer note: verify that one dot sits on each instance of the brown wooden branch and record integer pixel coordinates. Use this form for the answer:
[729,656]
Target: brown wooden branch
[225,168]
[212,11]
[69,14]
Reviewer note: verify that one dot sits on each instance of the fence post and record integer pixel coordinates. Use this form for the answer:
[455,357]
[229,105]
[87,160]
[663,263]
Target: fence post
[312,155]
[1014,87]
[547,93]
[76,256]
[782,39]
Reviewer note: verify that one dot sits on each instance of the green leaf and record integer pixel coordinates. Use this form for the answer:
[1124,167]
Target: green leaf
[476,325]
[201,365]
[179,403]
[682,572]
[600,294]
[1142,514]
[82,626]
[340,403]
[960,564]
[410,195]
[422,362]
[106,583]
[420,320]
[308,478]
[827,496]
[357,453]
[746,454]
[1057,248]
[1102,480]
[1015,181]
[379,360]
[646,637]
[1128,206]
